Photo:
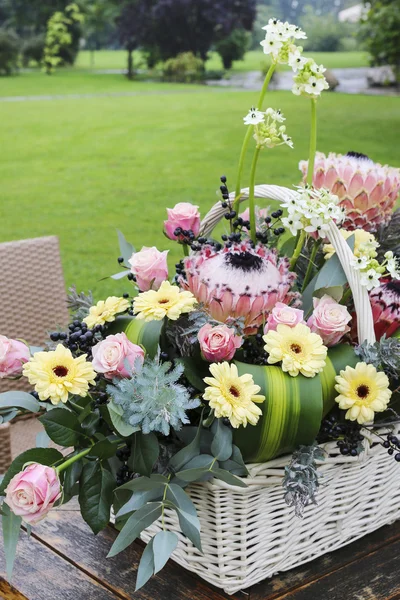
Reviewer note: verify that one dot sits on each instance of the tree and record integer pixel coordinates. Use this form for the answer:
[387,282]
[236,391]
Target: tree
[380,32]
[9,50]
[233,47]
[133,26]
[62,38]
[99,24]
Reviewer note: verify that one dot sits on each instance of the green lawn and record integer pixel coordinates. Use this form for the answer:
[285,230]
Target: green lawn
[81,167]
[116,59]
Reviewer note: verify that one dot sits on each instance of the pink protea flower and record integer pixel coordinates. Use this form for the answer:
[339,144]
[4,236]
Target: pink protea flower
[385,301]
[239,281]
[367,190]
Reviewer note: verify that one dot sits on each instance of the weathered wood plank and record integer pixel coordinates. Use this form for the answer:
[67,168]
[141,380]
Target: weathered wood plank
[65,531]
[40,574]
[287,581]
[373,577]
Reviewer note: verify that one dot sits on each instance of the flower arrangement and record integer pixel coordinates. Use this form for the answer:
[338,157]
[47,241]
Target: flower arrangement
[276,336]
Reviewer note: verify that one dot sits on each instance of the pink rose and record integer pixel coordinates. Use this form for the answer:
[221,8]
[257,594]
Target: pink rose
[110,356]
[329,320]
[13,354]
[282,314]
[32,493]
[149,267]
[218,343]
[183,215]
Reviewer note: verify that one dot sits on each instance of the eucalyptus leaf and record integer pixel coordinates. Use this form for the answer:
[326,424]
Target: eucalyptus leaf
[44,456]
[42,439]
[335,292]
[125,247]
[164,543]
[197,468]
[146,566]
[142,518]
[11,525]
[19,400]
[228,477]
[145,451]
[116,414]
[62,426]
[235,464]
[143,483]
[187,514]
[120,275]
[185,455]
[221,447]
[96,487]
[139,498]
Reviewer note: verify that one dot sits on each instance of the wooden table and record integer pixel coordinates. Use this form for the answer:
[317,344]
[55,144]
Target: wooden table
[63,560]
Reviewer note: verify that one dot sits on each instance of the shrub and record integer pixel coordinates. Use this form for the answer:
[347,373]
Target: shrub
[324,33]
[32,50]
[9,51]
[233,47]
[184,68]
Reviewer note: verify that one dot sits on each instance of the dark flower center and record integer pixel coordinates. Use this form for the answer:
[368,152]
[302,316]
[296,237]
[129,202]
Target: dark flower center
[362,391]
[234,391]
[60,371]
[353,154]
[163,301]
[246,261]
[296,348]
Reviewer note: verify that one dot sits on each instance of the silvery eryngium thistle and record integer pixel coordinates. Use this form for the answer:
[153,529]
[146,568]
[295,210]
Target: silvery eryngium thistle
[367,190]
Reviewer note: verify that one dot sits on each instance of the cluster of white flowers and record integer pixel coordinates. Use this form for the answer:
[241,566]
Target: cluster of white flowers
[279,40]
[370,269]
[312,211]
[309,79]
[268,129]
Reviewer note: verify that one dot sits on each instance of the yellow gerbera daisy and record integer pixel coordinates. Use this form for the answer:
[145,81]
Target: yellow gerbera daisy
[233,396]
[299,350]
[57,373]
[363,391]
[105,311]
[364,244]
[168,301]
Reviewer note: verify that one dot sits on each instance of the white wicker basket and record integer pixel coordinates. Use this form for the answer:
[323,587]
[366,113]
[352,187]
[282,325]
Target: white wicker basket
[250,533]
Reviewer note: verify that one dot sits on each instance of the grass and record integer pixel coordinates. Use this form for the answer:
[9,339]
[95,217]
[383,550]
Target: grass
[116,59]
[81,167]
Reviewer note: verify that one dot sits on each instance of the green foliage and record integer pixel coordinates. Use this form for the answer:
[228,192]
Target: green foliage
[380,32]
[11,525]
[145,451]
[62,426]
[301,480]
[9,50]
[153,399]
[62,38]
[384,355]
[96,486]
[79,304]
[233,47]
[324,32]
[32,50]
[185,68]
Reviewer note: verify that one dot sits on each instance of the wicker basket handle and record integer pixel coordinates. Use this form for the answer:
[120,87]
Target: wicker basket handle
[365,322]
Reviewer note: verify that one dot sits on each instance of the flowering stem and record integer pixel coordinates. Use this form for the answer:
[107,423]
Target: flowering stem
[252,210]
[310,264]
[73,459]
[247,137]
[313,141]
[185,249]
[163,502]
[297,250]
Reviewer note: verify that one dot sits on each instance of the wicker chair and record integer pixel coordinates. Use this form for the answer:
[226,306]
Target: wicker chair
[33,302]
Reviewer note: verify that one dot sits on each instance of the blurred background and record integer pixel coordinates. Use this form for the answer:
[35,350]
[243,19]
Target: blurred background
[113,110]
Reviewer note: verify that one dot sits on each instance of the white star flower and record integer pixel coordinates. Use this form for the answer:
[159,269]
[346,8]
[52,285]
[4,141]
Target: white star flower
[292,223]
[271,44]
[254,117]
[370,279]
[296,60]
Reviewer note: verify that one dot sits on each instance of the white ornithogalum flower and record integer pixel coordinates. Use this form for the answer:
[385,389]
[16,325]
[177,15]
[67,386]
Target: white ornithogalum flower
[270,133]
[359,263]
[287,140]
[276,115]
[312,210]
[279,38]
[392,265]
[253,117]
[370,279]
[309,80]
[295,59]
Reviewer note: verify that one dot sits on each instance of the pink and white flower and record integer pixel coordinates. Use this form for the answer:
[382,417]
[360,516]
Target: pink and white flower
[31,494]
[367,190]
[282,314]
[149,267]
[112,355]
[218,343]
[184,215]
[13,355]
[329,320]
[239,281]
[385,302]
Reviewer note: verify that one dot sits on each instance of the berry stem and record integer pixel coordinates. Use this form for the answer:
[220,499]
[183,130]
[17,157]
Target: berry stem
[252,209]
[247,137]
[300,242]
[185,249]
[311,264]
[313,141]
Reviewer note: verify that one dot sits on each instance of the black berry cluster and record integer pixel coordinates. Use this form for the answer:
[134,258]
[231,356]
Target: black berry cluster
[392,444]
[253,350]
[348,434]
[78,338]
[124,474]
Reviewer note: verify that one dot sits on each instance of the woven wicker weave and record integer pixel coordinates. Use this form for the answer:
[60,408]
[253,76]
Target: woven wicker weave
[32,293]
[250,533]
